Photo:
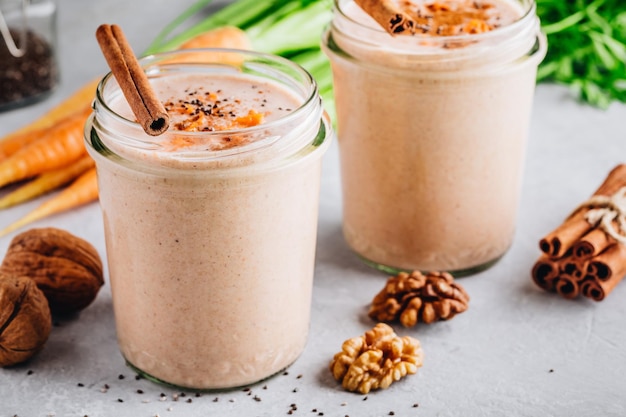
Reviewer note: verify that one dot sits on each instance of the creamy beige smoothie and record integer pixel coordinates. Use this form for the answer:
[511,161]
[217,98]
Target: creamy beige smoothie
[211,228]
[432,130]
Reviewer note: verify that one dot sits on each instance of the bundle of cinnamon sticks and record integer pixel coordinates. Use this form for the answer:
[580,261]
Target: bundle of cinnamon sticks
[586,254]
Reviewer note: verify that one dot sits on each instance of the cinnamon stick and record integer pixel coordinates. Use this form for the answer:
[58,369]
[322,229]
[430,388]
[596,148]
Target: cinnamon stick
[567,286]
[147,108]
[388,15]
[610,265]
[605,271]
[560,240]
[591,288]
[591,244]
[545,272]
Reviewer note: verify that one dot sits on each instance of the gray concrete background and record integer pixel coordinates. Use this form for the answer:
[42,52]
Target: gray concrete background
[517,351]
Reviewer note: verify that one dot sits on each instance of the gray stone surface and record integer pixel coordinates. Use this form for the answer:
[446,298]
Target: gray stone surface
[517,351]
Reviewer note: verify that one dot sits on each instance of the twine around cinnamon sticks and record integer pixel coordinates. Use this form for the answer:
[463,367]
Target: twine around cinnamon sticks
[586,254]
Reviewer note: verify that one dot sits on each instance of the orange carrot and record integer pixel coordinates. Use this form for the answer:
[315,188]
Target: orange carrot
[82,191]
[79,101]
[46,182]
[15,141]
[223,37]
[59,146]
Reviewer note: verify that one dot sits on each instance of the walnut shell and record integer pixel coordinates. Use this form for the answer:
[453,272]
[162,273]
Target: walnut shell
[25,320]
[66,268]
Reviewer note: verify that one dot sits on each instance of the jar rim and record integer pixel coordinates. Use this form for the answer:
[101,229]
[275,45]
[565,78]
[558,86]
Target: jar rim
[115,135]
[368,44]
[153,60]
[404,45]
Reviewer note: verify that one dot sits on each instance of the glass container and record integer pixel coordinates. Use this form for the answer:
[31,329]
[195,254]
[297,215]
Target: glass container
[28,63]
[211,251]
[432,133]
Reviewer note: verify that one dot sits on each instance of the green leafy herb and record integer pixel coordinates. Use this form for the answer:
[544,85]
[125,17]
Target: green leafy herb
[586,48]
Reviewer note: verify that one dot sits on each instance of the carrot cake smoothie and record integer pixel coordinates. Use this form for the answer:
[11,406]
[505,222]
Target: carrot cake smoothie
[432,127]
[211,227]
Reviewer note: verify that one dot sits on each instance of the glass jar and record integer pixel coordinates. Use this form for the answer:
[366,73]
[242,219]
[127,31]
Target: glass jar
[432,133]
[28,65]
[211,252]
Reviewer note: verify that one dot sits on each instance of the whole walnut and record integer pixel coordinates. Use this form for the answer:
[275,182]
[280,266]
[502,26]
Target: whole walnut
[66,268]
[25,319]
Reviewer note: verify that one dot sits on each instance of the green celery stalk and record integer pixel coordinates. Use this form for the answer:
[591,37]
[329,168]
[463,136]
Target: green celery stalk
[295,31]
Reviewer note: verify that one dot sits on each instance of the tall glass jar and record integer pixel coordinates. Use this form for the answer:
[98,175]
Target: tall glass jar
[211,245]
[28,65]
[432,133]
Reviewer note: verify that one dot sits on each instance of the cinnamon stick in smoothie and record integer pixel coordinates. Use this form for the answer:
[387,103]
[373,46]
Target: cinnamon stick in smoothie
[388,15]
[134,83]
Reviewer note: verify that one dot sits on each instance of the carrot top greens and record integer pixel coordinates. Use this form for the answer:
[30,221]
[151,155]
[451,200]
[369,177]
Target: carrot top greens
[586,40]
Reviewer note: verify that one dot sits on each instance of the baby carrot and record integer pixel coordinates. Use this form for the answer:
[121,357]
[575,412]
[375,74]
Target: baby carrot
[59,146]
[46,182]
[82,191]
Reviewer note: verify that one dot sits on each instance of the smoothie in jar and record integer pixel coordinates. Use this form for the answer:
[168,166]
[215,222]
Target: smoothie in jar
[432,129]
[211,227]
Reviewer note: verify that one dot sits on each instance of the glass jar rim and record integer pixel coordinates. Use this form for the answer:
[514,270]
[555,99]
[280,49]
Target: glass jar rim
[405,46]
[153,60]
[301,131]
[347,39]
[529,13]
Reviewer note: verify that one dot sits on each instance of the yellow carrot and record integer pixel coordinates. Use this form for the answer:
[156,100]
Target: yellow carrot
[46,182]
[58,147]
[82,191]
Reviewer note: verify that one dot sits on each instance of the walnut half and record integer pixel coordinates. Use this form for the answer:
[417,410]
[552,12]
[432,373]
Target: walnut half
[376,359]
[414,297]
[25,320]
